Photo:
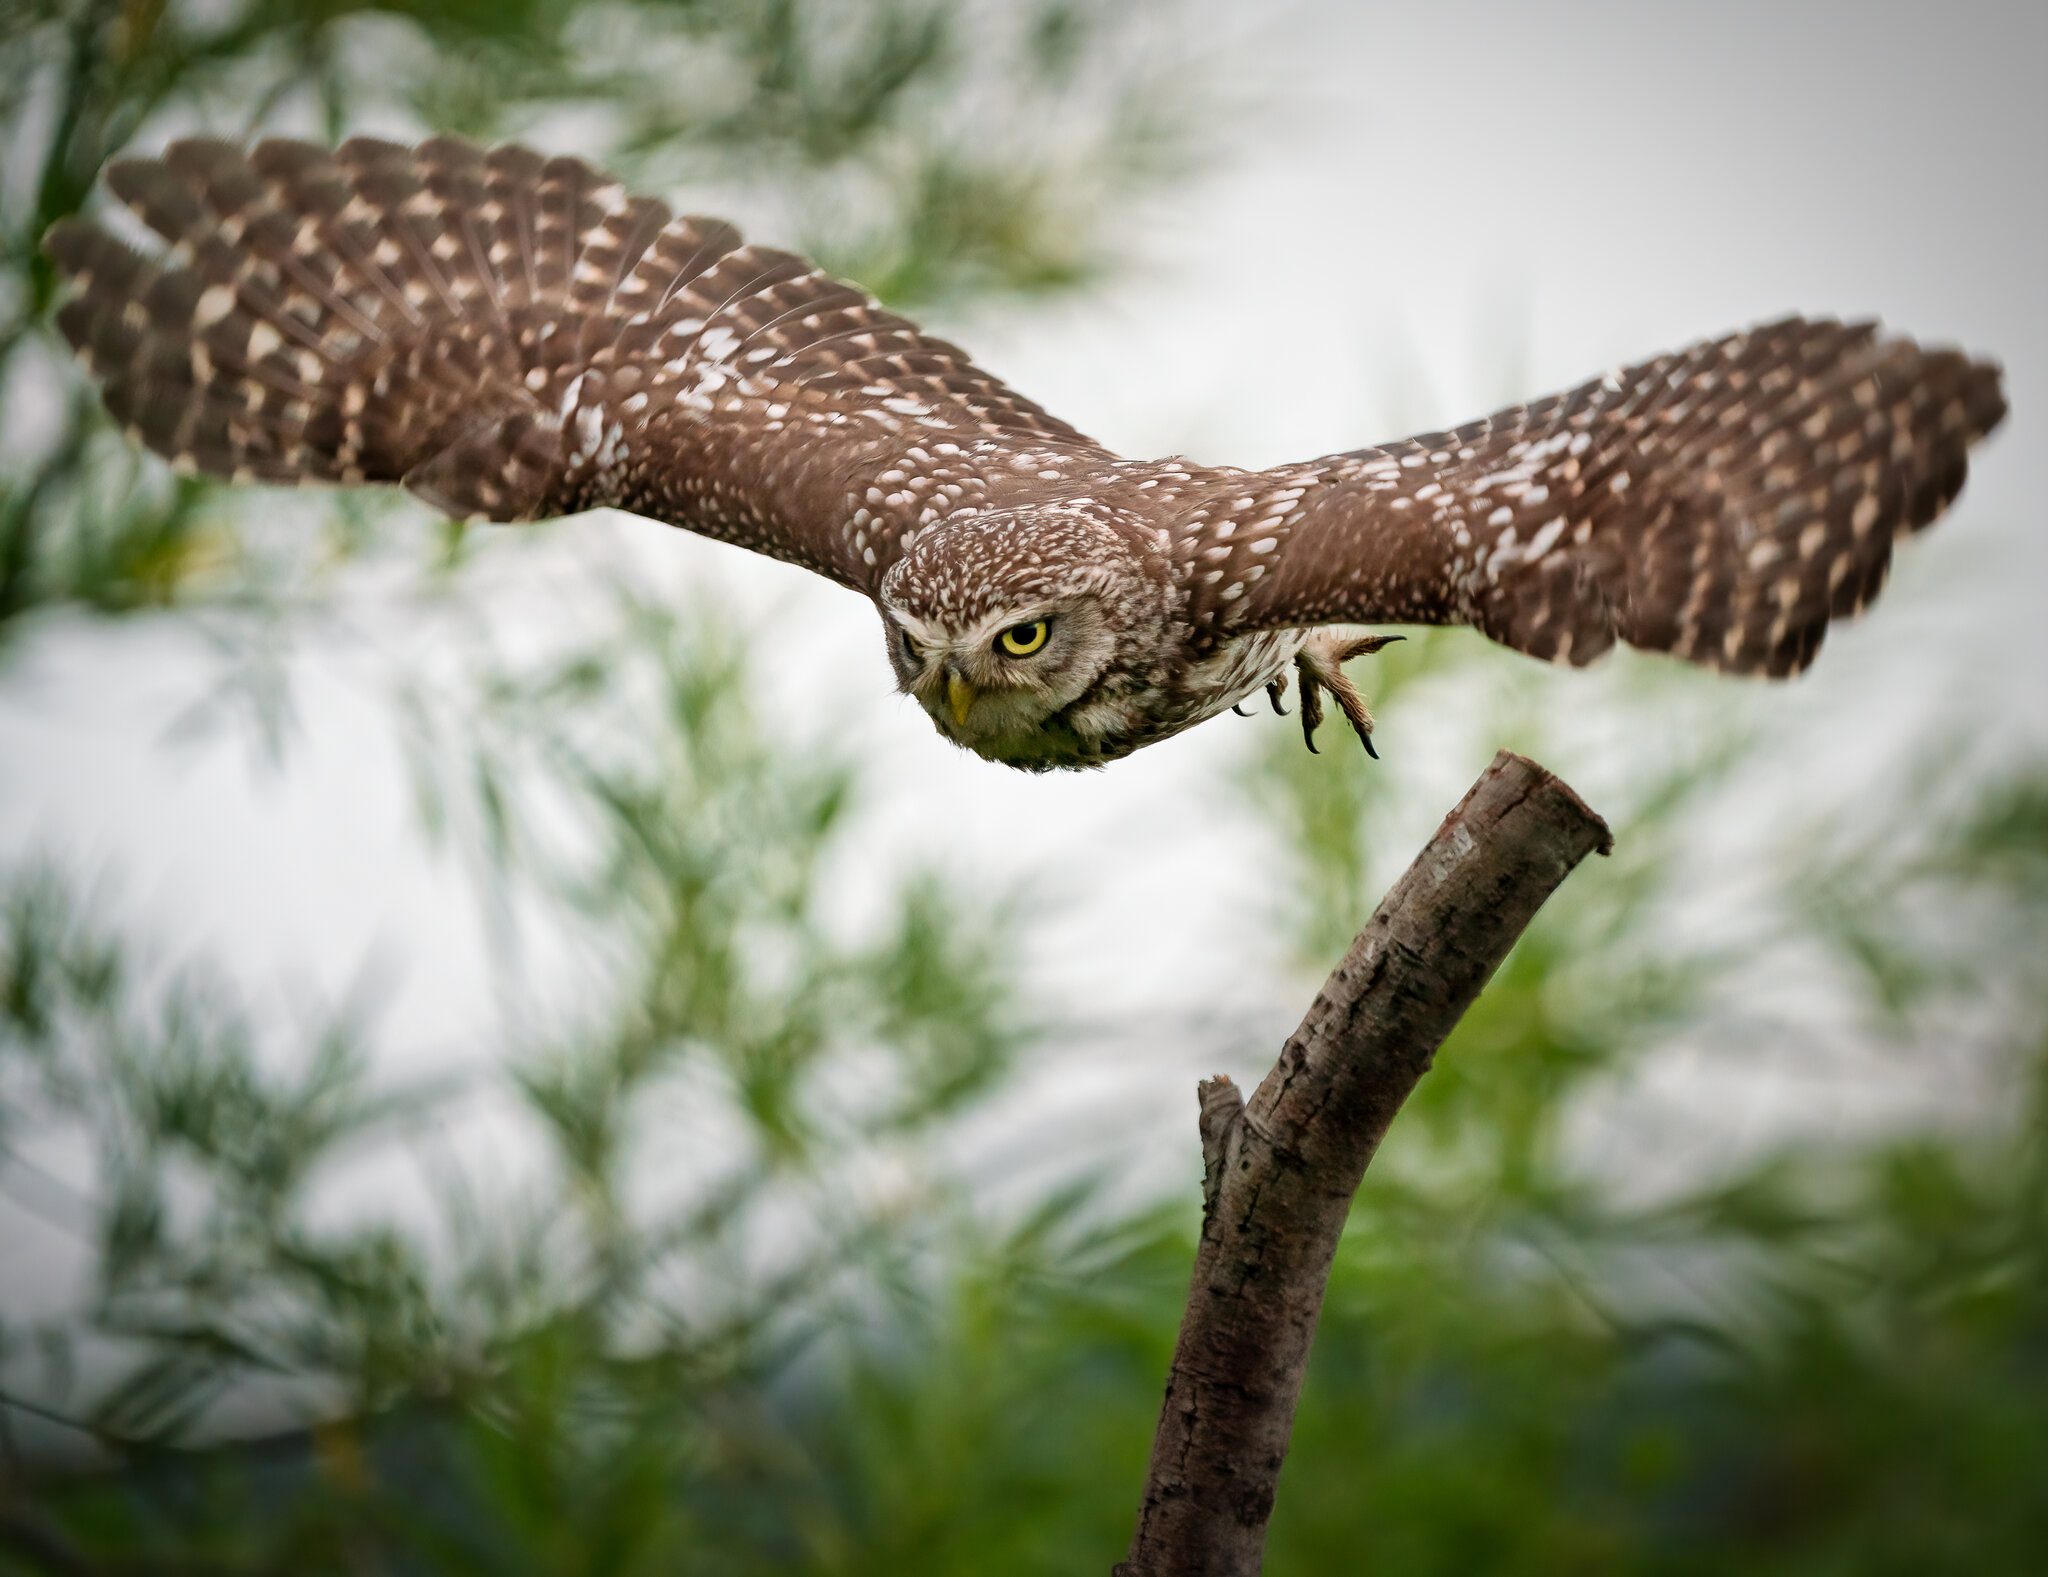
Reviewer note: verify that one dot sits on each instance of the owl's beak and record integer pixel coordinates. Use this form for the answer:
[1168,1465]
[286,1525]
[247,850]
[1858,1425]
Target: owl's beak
[960,697]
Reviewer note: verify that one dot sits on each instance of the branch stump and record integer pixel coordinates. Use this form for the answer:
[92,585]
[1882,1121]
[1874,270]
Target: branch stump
[1280,1170]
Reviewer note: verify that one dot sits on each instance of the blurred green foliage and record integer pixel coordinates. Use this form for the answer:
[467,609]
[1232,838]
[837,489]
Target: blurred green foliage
[735,1311]
[822,1355]
[576,1347]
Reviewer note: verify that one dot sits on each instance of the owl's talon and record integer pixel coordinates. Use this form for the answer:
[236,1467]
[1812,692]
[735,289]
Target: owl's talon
[1276,692]
[1364,646]
[1311,708]
[1238,708]
[1320,660]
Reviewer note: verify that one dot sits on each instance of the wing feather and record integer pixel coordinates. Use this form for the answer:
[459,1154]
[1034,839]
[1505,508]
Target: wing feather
[513,336]
[1722,503]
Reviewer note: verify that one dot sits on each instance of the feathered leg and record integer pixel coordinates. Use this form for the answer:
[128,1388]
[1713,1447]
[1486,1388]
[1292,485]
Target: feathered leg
[1321,661]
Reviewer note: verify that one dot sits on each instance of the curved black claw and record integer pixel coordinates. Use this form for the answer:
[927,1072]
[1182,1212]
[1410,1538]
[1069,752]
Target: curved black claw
[1238,708]
[1311,708]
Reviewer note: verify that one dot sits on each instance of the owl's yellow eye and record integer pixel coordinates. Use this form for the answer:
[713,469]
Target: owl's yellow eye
[1021,640]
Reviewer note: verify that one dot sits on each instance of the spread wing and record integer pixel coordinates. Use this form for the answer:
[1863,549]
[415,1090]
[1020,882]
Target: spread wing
[1722,503]
[511,337]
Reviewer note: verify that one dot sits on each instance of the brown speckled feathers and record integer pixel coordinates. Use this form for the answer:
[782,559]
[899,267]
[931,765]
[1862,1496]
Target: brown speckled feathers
[512,336]
[1721,503]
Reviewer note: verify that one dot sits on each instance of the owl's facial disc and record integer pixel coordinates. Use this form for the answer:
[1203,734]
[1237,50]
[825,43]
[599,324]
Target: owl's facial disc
[1000,684]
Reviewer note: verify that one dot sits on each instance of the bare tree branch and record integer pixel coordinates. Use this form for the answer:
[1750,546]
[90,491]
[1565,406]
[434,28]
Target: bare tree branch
[1281,1170]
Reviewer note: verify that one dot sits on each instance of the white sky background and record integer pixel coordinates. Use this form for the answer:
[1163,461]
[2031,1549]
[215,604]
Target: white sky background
[1426,212]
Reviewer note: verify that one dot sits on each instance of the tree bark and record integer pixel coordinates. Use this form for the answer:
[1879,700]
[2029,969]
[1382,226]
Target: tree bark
[1280,1172]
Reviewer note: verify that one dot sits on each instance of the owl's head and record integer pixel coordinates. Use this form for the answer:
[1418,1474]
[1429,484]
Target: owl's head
[1027,635]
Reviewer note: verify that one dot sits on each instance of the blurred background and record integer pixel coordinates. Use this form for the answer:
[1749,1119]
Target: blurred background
[518,1053]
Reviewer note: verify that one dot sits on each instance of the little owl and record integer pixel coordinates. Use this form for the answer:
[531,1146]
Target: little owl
[510,336]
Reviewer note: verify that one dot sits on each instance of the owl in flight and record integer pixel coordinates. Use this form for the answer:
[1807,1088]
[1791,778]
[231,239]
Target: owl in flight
[511,336]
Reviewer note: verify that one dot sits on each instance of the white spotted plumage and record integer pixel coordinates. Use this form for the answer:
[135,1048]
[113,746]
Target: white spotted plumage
[512,336]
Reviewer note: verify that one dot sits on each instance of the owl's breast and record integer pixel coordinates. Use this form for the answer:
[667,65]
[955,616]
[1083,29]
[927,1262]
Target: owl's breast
[1116,720]
[1238,668]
